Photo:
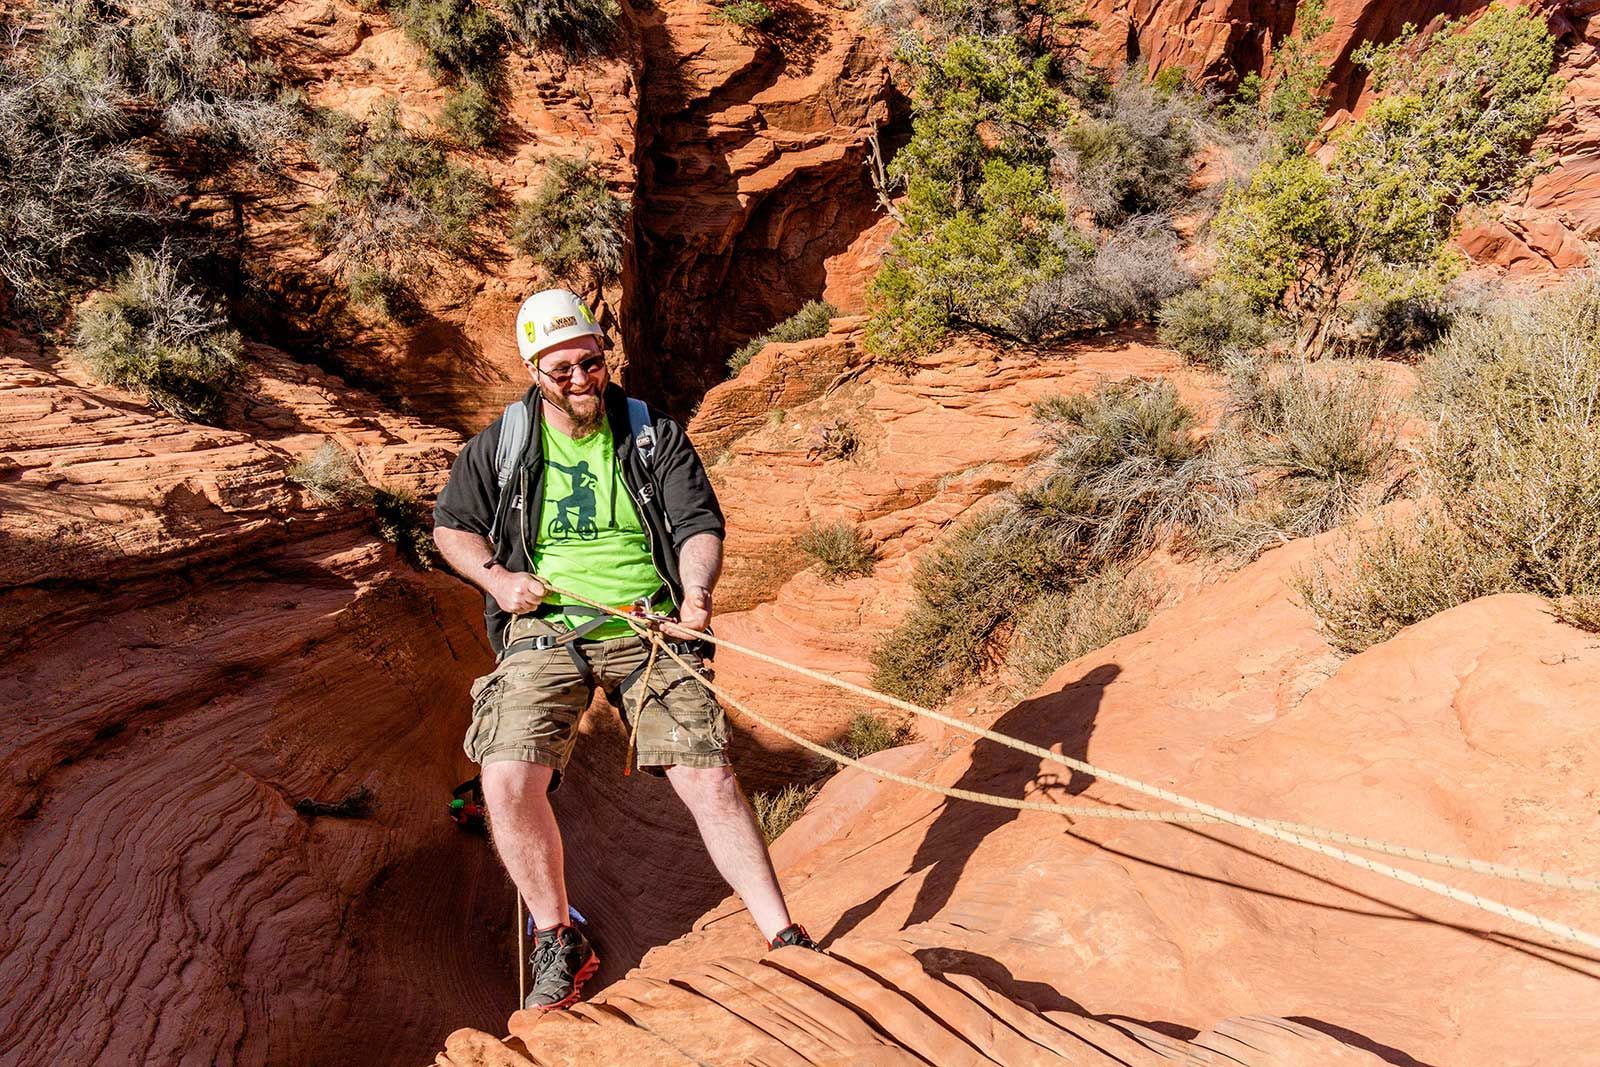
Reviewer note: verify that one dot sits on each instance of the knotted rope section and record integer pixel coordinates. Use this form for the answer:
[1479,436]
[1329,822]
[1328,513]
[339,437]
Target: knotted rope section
[1199,811]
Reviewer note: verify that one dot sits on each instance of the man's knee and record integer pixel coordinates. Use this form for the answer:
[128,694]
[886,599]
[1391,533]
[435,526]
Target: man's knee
[707,789]
[509,785]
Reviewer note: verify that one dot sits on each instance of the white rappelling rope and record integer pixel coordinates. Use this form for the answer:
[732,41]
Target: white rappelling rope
[1199,811]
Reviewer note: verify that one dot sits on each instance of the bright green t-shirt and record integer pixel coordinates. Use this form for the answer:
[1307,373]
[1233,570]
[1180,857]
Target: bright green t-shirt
[590,538]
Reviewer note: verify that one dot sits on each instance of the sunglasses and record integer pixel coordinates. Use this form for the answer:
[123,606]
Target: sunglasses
[563,374]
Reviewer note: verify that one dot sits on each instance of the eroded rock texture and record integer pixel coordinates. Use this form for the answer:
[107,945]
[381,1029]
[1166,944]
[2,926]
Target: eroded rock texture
[191,654]
[870,1002]
[753,191]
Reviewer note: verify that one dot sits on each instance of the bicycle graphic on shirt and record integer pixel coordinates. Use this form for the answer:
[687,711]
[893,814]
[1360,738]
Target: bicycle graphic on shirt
[575,512]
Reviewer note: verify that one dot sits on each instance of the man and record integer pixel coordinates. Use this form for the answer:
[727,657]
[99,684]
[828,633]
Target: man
[615,516]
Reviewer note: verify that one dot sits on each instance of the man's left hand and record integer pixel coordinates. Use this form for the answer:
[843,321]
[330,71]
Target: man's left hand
[695,614]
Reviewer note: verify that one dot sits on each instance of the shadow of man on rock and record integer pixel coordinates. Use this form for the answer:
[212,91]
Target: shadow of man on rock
[1062,720]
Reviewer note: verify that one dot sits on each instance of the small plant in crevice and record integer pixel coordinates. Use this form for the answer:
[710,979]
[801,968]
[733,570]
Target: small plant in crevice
[777,810]
[838,439]
[871,732]
[331,477]
[355,804]
[813,320]
[840,548]
[158,336]
[400,519]
[574,226]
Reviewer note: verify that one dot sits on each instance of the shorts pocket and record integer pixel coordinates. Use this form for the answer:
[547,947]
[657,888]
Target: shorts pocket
[485,716]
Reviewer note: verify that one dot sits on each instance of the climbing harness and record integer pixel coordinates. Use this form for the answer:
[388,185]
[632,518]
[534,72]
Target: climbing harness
[1306,837]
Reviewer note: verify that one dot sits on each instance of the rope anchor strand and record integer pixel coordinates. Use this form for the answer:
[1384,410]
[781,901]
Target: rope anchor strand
[1296,834]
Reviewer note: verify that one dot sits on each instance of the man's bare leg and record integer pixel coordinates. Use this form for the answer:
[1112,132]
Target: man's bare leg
[526,836]
[728,827]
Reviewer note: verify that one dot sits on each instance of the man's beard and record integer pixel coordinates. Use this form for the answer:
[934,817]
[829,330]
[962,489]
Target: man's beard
[584,422]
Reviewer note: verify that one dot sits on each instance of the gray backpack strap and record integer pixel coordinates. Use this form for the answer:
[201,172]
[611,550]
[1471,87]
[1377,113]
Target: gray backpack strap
[644,434]
[513,441]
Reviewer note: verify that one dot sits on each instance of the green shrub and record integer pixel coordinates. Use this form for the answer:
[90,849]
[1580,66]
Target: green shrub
[1407,572]
[969,591]
[1062,626]
[840,549]
[1319,442]
[398,207]
[776,811]
[1211,325]
[573,227]
[982,224]
[470,116]
[745,14]
[154,335]
[1451,128]
[813,320]
[331,477]
[837,440]
[405,523]
[460,38]
[975,268]
[581,25]
[1292,107]
[870,732]
[1132,152]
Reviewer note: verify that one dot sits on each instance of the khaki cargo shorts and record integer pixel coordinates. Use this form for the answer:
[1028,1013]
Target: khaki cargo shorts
[528,707]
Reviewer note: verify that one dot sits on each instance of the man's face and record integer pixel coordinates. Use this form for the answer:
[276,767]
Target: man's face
[572,378]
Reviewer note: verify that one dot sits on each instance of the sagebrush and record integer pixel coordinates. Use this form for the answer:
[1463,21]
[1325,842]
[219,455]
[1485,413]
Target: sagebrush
[840,548]
[398,210]
[574,226]
[1060,627]
[330,476]
[156,335]
[871,732]
[813,320]
[777,810]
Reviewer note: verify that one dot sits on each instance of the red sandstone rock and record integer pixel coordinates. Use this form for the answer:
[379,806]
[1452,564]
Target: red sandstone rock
[190,652]
[1467,733]
[865,1002]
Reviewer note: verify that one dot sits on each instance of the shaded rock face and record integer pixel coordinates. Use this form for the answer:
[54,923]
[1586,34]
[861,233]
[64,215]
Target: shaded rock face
[454,361]
[191,653]
[753,196]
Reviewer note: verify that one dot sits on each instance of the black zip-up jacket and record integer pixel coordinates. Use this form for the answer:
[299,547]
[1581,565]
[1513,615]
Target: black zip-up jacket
[672,494]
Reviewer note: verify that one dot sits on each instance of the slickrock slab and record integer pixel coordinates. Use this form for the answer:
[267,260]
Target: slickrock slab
[865,1002]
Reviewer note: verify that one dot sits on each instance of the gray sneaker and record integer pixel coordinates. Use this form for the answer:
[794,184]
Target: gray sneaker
[563,960]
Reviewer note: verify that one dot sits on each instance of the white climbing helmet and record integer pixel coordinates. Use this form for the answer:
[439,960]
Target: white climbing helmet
[551,317]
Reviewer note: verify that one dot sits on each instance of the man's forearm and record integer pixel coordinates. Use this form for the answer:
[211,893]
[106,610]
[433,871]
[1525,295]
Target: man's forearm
[466,552]
[700,562]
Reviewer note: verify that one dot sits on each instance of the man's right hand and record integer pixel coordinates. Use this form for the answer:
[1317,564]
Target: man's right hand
[515,591]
